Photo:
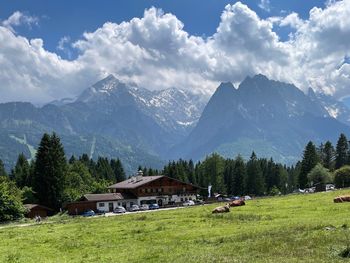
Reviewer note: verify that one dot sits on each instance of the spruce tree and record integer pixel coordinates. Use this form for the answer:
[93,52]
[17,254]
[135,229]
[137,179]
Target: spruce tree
[341,151]
[49,171]
[310,159]
[21,172]
[328,156]
[255,182]
[118,170]
[2,169]
[239,175]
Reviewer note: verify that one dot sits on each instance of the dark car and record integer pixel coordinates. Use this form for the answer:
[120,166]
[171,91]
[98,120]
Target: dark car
[100,212]
[88,213]
[153,206]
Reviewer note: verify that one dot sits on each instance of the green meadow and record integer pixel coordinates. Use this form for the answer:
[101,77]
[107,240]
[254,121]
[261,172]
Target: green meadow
[293,228]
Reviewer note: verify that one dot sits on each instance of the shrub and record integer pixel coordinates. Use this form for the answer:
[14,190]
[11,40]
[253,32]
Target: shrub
[342,177]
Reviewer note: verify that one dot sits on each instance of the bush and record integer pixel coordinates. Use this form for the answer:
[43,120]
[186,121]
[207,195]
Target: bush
[11,206]
[342,177]
[319,174]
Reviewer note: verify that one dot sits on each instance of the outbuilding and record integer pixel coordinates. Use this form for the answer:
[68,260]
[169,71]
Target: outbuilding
[34,210]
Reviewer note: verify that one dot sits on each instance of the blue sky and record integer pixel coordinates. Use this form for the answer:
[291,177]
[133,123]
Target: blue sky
[71,18]
[55,49]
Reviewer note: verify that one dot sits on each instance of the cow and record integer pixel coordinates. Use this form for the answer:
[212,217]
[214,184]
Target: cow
[237,203]
[341,199]
[221,209]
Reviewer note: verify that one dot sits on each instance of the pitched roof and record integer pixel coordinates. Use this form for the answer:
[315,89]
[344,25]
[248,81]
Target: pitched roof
[31,206]
[107,197]
[135,182]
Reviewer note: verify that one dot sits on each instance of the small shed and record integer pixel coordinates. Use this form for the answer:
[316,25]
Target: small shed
[34,210]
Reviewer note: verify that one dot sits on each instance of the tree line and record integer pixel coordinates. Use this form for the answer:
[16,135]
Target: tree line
[52,180]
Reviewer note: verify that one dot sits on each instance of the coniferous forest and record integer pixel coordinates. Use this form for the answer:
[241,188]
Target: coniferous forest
[53,180]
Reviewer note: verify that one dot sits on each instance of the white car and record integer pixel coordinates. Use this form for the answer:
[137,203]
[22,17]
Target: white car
[144,207]
[188,203]
[134,208]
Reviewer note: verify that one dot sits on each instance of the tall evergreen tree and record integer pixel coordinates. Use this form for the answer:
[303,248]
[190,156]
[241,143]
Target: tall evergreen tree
[2,169]
[310,159]
[49,171]
[328,156]
[341,157]
[254,182]
[239,175]
[21,173]
[118,170]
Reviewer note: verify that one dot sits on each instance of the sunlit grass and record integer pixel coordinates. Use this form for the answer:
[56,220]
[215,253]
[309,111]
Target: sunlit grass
[294,228]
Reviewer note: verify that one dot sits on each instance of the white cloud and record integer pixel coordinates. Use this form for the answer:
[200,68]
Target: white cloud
[18,19]
[156,52]
[265,5]
[63,45]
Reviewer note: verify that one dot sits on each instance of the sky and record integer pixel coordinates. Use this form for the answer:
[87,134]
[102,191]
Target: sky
[55,49]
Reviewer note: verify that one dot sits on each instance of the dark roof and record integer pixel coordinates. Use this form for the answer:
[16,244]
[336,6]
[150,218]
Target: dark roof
[134,182]
[31,206]
[107,197]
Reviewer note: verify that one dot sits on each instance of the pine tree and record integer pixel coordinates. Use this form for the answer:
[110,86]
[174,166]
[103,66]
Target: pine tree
[310,159]
[328,156]
[118,170]
[104,170]
[255,182]
[49,171]
[341,151]
[239,175]
[21,173]
[2,169]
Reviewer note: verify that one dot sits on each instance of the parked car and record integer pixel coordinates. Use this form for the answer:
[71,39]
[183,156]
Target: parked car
[188,203]
[153,206]
[119,210]
[100,212]
[144,207]
[134,208]
[89,213]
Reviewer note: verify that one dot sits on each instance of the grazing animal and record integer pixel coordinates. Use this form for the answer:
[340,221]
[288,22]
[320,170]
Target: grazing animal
[237,203]
[341,199]
[221,209]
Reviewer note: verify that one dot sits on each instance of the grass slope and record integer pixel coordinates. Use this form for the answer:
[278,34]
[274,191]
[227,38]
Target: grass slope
[281,229]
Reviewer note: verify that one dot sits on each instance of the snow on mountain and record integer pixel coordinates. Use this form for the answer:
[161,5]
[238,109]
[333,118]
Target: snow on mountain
[174,109]
[335,108]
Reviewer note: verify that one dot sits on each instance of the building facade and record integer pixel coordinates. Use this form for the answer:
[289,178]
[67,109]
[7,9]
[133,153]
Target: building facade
[161,190]
[137,190]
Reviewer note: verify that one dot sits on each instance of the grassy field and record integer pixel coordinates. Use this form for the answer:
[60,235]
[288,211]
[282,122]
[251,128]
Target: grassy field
[294,228]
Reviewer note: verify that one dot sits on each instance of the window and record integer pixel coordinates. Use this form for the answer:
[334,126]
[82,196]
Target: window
[160,190]
[148,190]
[182,199]
[184,189]
[101,204]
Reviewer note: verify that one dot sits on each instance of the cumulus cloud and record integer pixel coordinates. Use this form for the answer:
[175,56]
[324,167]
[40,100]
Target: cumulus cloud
[155,52]
[17,19]
[63,45]
[265,5]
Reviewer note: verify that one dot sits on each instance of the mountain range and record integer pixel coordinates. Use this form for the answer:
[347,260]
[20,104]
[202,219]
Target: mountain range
[148,128]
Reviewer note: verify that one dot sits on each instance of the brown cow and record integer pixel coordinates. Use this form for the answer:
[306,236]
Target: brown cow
[237,203]
[341,199]
[222,209]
